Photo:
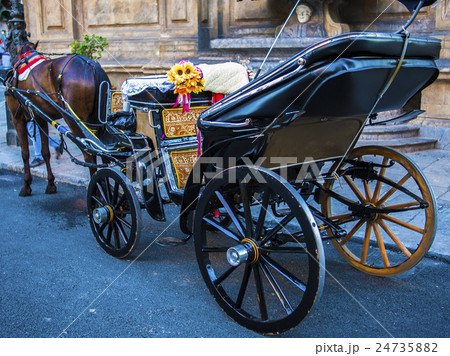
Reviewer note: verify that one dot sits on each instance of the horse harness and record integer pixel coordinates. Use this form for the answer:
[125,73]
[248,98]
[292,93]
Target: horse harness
[27,60]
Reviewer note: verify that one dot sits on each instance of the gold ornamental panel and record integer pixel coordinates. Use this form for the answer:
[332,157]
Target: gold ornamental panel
[183,162]
[179,124]
[116,101]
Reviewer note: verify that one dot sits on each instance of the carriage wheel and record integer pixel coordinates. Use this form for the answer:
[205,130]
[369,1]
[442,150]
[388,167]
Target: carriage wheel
[382,243]
[265,272]
[114,212]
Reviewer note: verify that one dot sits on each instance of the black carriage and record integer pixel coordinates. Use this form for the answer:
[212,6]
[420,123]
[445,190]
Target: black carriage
[266,174]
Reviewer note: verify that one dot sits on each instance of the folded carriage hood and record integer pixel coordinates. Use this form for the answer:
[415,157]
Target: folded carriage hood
[411,4]
[292,85]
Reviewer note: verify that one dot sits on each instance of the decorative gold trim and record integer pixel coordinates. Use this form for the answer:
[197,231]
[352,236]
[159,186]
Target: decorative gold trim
[255,248]
[183,162]
[116,101]
[178,124]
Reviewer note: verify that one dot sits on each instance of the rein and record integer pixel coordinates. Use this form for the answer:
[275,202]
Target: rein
[59,79]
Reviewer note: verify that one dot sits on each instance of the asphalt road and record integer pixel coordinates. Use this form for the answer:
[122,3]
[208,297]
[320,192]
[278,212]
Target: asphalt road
[56,281]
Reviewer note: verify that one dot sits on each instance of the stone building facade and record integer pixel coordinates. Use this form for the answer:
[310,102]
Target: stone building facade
[148,36]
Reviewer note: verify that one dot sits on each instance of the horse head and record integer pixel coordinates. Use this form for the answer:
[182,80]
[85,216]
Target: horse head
[17,51]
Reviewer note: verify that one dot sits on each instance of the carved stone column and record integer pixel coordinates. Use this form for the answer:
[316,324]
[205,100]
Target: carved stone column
[333,22]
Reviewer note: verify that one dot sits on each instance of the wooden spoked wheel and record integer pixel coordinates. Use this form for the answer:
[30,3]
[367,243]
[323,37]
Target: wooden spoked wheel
[114,212]
[391,224]
[265,272]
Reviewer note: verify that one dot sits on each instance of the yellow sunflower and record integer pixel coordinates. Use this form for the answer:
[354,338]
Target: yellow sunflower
[187,79]
[189,70]
[176,74]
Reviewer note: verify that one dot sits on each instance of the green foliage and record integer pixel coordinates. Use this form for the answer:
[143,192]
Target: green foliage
[91,47]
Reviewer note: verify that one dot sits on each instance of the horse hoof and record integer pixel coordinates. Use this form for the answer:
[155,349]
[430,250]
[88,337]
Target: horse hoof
[51,189]
[25,192]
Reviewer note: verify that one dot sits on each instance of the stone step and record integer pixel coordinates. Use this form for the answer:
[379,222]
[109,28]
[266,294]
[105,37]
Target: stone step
[405,145]
[389,132]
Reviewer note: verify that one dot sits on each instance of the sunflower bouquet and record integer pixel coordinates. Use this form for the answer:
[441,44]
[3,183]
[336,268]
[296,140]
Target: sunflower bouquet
[187,79]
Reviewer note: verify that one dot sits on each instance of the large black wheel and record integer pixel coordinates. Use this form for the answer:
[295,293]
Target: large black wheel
[391,221]
[114,212]
[265,271]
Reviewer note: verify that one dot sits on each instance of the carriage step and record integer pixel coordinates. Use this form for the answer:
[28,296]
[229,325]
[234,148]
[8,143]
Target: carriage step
[405,145]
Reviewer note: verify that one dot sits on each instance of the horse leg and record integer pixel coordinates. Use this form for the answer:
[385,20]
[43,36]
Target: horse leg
[45,151]
[20,125]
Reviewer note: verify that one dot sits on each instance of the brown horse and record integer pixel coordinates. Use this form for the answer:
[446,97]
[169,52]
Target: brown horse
[76,79]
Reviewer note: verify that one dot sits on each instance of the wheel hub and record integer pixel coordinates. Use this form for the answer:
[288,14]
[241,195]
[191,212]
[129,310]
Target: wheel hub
[368,213]
[103,214]
[246,251]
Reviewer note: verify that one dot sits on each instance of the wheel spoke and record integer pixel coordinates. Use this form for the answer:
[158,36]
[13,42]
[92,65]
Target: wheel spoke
[225,275]
[402,206]
[116,236]
[102,227]
[276,287]
[108,190]
[365,249]
[247,212]
[393,190]
[120,201]
[339,217]
[394,238]
[100,189]
[260,293]
[115,193]
[121,231]
[381,246]
[108,234]
[352,232]
[222,229]
[97,201]
[262,214]
[124,222]
[244,284]
[367,190]
[376,193]
[354,189]
[285,273]
[277,228]
[233,217]
[403,223]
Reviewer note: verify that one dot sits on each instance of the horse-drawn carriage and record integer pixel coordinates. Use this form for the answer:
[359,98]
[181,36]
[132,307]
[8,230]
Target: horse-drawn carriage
[266,174]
